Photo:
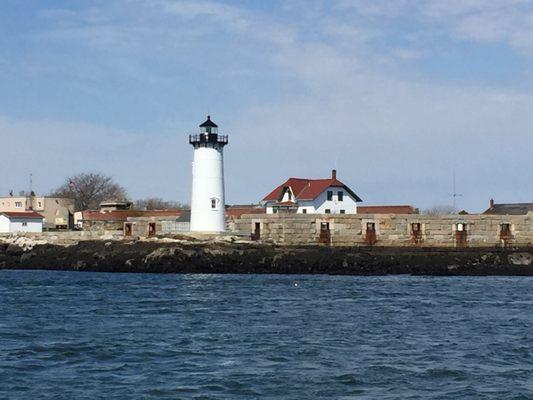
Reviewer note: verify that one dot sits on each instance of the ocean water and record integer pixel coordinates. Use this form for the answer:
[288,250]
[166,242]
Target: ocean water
[77,335]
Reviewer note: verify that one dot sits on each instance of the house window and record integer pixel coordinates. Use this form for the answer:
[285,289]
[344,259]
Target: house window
[327,211]
[330,195]
[275,210]
[340,195]
[18,204]
[24,224]
[289,194]
[213,203]
[304,211]
[343,211]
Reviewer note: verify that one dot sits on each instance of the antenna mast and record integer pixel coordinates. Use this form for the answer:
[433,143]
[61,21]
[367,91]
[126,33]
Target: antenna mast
[29,196]
[454,195]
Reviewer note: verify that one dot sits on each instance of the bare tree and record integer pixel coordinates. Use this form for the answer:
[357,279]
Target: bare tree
[440,210]
[156,203]
[89,189]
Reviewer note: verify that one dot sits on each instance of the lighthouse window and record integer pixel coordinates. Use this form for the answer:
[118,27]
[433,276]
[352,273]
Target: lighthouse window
[213,203]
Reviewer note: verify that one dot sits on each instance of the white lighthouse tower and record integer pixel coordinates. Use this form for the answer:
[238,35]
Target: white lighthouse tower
[208,211]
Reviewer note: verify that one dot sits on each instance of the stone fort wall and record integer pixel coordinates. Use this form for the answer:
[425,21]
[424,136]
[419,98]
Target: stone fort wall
[390,230]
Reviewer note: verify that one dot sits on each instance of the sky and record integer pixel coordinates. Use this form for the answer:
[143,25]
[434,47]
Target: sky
[397,95]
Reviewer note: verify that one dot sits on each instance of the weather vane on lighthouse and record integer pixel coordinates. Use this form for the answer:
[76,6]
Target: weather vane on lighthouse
[208,210]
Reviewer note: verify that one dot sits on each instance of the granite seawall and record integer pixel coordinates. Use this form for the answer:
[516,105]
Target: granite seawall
[189,256]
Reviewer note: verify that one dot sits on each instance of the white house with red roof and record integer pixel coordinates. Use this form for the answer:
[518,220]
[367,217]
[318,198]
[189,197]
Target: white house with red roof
[21,221]
[312,196]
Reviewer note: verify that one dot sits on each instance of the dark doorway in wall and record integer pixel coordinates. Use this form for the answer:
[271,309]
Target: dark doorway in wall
[325,234]
[370,234]
[257,231]
[461,235]
[127,229]
[505,234]
[151,229]
[416,232]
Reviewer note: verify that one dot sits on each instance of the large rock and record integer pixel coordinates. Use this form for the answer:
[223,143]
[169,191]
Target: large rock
[520,258]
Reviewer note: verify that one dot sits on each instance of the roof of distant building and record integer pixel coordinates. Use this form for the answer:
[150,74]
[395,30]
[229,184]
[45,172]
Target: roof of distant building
[509,209]
[237,211]
[308,189]
[209,123]
[392,209]
[22,214]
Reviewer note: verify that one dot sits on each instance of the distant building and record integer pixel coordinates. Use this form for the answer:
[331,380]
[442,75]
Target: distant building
[235,212]
[115,205]
[98,220]
[509,208]
[20,221]
[312,196]
[392,209]
[57,212]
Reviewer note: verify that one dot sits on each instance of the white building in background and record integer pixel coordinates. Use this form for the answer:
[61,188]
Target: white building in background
[208,211]
[23,221]
[312,196]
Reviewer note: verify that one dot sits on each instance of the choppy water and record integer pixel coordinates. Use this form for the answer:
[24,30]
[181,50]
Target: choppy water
[67,335]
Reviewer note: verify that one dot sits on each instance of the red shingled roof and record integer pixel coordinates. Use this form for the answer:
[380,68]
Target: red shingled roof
[307,189]
[22,214]
[403,209]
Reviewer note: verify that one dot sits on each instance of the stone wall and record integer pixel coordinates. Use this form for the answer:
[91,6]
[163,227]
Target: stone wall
[58,238]
[140,226]
[391,230]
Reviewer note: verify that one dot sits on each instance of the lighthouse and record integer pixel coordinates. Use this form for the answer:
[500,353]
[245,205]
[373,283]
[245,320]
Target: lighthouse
[208,211]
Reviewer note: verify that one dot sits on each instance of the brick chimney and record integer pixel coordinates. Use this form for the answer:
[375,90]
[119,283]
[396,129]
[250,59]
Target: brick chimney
[491,203]
[333,174]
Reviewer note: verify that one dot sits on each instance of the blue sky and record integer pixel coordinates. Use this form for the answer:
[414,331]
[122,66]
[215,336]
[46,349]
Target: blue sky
[395,94]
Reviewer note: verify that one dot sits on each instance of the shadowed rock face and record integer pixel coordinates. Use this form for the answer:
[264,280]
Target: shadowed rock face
[192,257]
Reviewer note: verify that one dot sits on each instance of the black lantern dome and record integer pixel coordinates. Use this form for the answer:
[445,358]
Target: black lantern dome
[208,126]
[208,136]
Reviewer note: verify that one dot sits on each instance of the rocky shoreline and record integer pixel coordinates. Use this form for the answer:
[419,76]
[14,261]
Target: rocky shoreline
[183,256]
